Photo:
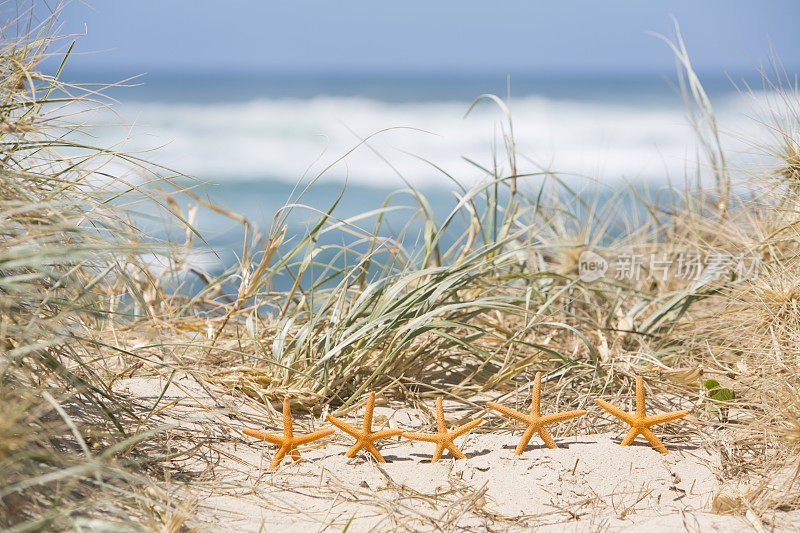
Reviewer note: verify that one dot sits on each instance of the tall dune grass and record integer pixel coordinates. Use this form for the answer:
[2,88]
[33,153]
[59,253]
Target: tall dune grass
[67,442]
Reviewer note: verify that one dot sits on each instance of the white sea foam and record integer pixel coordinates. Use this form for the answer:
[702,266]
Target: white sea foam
[280,138]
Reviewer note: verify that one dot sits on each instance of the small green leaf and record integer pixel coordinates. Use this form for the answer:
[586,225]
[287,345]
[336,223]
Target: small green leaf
[722,395]
[719,396]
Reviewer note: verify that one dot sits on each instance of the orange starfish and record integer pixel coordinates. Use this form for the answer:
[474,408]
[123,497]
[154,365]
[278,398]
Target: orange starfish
[535,421]
[444,439]
[640,423]
[365,437]
[288,443]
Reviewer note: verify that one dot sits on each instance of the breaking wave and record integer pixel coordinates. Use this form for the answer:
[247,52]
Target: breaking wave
[284,139]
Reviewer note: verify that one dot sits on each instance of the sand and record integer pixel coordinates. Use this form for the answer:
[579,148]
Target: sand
[589,484]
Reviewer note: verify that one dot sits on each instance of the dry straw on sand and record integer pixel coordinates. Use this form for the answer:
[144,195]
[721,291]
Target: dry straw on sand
[122,393]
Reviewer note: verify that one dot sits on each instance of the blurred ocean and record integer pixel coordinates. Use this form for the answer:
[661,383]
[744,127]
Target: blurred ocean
[254,129]
[251,137]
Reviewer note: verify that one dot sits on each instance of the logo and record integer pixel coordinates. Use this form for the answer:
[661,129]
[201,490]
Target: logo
[591,266]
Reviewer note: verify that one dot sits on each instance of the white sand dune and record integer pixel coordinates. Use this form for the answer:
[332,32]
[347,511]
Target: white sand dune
[590,483]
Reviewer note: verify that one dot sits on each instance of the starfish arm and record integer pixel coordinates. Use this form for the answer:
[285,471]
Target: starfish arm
[548,440]
[440,425]
[523,442]
[272,439]
[619,413]
[279,455]
[287,418]
[466,427]
[437,454]
[424,437]
[630,437]
[375,453]
[558,417]
[385,433]
[654,442]
[305,439]
[458,454]
[354,449]
[370,408]
[640,413]
[516,415]
[536,395]
[344,426]
[665,417]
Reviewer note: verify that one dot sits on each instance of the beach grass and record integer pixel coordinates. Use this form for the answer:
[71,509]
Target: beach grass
[409,316]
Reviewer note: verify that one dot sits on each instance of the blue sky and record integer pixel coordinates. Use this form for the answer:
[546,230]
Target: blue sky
[446,36]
